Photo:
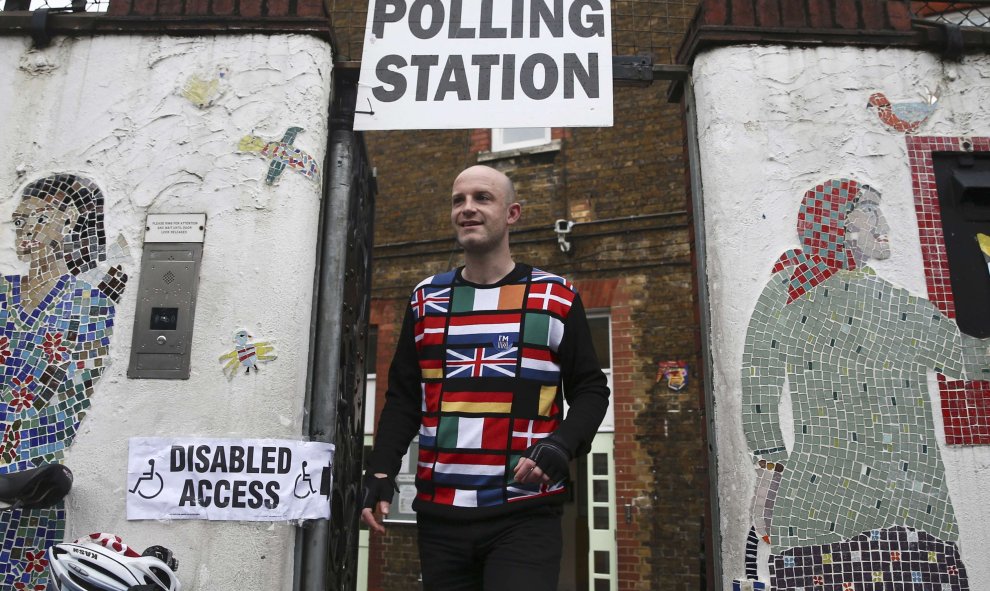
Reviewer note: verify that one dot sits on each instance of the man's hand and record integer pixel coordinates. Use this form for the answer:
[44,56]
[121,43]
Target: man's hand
[545,461]
[377,493]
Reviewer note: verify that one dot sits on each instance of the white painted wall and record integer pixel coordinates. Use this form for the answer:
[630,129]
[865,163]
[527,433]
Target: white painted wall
[772,123]
[110,109]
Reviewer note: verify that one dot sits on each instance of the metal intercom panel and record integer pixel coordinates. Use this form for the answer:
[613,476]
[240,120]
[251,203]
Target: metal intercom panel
[163,321]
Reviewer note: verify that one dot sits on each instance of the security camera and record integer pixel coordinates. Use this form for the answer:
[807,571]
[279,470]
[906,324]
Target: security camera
[562,228]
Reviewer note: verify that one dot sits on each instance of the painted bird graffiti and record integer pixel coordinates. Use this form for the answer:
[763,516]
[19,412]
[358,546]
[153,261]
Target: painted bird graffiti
[246,355]
[281,155]
[905,117]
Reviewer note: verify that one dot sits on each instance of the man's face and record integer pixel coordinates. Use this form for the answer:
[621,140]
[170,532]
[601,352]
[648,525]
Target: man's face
[482,209]
[866,232]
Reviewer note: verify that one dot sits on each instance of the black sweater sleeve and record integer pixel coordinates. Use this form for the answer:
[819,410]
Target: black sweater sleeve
[401,415]
[585,386]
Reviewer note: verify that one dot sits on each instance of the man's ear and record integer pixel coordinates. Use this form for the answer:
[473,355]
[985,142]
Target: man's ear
[515,212]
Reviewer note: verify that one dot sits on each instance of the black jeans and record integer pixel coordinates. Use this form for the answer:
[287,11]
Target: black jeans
[514,552]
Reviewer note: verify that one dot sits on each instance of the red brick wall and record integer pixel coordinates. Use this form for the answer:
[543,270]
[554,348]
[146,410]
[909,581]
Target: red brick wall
[218,8]
[812,14]
[810,22]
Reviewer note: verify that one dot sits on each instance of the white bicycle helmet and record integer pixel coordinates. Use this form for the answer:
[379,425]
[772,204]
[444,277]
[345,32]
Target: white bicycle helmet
[102,562]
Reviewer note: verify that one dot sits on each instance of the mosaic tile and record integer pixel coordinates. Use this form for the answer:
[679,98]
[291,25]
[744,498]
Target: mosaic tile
[879,560]
[281,155]
[204,88]
[903,116]
[854,350]
[965,404]
[246,354]
[55,332]
[748,585]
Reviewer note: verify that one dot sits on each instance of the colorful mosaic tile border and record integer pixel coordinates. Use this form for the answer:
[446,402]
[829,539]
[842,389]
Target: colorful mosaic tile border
[895,558]
[965,405]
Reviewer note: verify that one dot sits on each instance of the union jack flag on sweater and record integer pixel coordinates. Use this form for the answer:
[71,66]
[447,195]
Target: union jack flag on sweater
[490,361]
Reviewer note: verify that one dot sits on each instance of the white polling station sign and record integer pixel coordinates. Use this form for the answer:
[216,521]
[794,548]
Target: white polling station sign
[456,64]
[228,479]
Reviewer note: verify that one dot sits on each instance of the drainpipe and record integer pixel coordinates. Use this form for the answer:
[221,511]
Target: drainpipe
[313,538]
[701,254]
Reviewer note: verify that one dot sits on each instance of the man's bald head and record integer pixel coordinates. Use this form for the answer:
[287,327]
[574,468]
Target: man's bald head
[496,176]
[483,206]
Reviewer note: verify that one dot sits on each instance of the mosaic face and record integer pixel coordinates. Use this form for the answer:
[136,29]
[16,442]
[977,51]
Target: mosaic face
[40,227]
[867,230]
[854,351]
[55,334]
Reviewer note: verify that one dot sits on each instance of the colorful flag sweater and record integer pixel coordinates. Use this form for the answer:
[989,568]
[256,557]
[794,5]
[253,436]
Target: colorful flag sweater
[481,372]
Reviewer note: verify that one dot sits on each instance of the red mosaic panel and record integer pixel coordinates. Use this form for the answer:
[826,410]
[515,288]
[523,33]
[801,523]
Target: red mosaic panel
[966,411]
[965,405]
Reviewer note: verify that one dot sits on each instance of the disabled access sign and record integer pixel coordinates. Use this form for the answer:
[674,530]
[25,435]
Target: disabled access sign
[228,479]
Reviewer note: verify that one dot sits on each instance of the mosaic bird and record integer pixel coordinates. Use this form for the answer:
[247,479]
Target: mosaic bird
[203,90]
[905,117]
[281,155]
[246,354]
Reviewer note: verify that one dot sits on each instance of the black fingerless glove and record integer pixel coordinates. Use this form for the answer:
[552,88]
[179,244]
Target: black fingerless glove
[377,489]
[551,457]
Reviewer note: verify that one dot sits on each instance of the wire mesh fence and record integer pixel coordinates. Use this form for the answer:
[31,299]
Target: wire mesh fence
[652,27]
[975,13]
[66,5]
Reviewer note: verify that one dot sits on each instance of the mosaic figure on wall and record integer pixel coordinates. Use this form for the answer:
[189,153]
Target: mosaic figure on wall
[905,116]
[861,497]
[281,155]
[55,334]
[247,354]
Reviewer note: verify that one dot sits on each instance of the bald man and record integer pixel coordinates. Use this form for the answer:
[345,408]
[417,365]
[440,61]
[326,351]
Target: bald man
[486,356]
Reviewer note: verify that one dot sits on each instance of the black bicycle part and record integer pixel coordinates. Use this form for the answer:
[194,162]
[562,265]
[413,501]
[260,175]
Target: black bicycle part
[164,554]
[35,487]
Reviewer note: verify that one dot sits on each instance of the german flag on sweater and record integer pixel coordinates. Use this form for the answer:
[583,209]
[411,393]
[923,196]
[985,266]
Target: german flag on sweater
[491,362]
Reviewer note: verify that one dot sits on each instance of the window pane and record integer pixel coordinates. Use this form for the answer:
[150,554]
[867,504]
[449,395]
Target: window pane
[371,354]
[600,520]
[600,340]
[601,562]
[522,134]
[599,493]
[599,464]
[519,137]
[603,585]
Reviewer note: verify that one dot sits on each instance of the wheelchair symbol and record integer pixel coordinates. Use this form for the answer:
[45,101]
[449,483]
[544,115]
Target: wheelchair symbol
[149,476]
[304,477]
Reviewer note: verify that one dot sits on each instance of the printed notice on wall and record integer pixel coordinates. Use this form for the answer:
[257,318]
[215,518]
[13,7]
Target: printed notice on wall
[228,479]
[455,64]
[175,227]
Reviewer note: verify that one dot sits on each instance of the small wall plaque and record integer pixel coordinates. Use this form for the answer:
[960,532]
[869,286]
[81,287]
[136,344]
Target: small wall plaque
[175,227]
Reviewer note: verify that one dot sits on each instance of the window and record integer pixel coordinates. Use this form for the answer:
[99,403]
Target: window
[519,137]
[370,381]
[963,182]
[601,339]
